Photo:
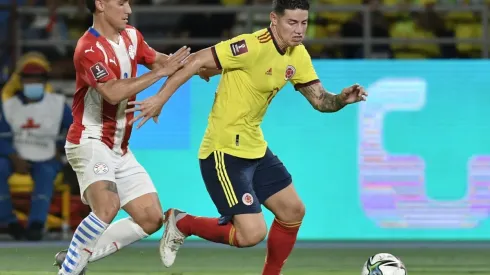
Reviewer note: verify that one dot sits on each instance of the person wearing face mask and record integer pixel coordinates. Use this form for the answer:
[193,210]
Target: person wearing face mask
[32,119]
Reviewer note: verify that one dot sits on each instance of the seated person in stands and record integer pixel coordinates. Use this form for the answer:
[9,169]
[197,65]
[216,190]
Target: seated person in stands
[31,123]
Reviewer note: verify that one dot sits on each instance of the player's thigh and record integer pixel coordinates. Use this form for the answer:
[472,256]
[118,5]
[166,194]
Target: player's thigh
[132,179]
[228,180]
[95,165]
[286,205]
[138,195]
[273,186]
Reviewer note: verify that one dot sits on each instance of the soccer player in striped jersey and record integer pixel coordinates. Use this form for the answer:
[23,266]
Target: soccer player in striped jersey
[239,169]
[110,177]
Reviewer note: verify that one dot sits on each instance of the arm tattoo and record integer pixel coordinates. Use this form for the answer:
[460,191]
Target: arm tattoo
[322,100]
[111,186]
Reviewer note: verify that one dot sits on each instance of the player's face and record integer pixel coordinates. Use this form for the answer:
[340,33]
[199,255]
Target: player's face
[292,26]
[117,12]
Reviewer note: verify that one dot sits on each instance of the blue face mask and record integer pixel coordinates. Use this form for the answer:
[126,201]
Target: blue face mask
[34,91]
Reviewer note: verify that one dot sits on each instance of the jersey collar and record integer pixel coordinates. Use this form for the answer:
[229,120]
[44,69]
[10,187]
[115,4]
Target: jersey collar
[93,32]
[279,50]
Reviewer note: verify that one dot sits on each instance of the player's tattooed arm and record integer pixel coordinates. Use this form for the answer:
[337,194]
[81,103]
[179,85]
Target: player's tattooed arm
[321,99]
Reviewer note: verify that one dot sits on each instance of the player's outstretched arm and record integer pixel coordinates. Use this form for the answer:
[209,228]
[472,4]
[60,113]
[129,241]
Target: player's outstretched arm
[152,106]
[160,61]
[116,90]
[201,59]
[327,102]
[206,73]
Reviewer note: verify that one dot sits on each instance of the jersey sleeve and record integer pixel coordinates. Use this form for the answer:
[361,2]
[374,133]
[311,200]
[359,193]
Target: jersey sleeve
[92,66]
[305,74]
[237,53]
[145,53]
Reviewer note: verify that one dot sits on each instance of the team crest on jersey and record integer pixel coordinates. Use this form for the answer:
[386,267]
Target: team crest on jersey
[247,199]
[290,71]
[132,52]
[100,168]
[239,47]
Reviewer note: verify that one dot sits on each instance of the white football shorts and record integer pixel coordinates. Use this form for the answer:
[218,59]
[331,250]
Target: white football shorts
[93,161]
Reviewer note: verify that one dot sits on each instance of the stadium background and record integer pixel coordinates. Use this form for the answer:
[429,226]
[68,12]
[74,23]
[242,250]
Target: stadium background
[424,64]
[325,152]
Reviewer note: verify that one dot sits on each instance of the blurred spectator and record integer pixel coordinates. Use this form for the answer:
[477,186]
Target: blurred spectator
[326,24]
[205,25]
[465,25]
[355,28]
[34,117]
[259,20]
[421,25]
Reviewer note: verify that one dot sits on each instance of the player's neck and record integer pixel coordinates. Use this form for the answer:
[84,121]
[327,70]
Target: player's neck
[280,42]
[106,30]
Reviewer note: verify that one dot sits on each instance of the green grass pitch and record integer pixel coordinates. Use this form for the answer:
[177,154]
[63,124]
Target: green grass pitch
[144,260]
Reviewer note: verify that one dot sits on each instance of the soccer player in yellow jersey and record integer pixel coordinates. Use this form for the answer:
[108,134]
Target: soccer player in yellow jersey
[240,172]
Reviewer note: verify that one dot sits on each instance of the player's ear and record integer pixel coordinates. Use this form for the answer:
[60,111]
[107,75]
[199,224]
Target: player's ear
[99,5]
[273,17]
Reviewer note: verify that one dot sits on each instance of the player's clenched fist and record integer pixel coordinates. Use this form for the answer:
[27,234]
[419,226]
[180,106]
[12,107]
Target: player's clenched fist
[353,94]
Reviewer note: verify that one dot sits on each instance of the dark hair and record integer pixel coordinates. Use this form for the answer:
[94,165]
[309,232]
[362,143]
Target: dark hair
[90,5]
[279,6]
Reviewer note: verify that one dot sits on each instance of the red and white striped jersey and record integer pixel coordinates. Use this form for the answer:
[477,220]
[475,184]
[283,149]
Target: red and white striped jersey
[98,60]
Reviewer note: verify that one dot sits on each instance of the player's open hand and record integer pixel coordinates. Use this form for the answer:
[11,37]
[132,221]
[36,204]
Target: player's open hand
[176,60]
[354,94]
[149,108]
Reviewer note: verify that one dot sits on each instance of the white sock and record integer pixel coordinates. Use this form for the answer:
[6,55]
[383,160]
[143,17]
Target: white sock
[118,235]
[84,239]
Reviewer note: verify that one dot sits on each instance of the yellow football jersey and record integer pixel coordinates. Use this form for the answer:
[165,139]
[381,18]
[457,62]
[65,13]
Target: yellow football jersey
[254,70]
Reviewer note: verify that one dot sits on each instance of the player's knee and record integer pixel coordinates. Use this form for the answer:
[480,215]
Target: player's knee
[151,224]
[150,220]
[251,237]
[251,234]
[106,212]
[103,199]
[298,211]
[294,211]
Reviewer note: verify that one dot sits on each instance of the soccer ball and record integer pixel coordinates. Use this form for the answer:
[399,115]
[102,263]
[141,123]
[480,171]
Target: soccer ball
[384,264]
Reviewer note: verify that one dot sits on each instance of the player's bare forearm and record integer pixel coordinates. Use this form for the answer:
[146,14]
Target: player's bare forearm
[115,91]
[210,72]
[177,79]
[201,59]
[321,99]
[160,60]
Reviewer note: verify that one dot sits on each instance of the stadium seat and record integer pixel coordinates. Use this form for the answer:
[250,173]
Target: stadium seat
[22,184]
[409,30]
[463,31]
[335,19]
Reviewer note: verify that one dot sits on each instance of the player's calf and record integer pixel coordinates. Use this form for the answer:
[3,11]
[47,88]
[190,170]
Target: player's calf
[104,201]
[146,218]
[289,211]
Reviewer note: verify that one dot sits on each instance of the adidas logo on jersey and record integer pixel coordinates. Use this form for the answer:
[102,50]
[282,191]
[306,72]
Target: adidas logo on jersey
[269,72]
